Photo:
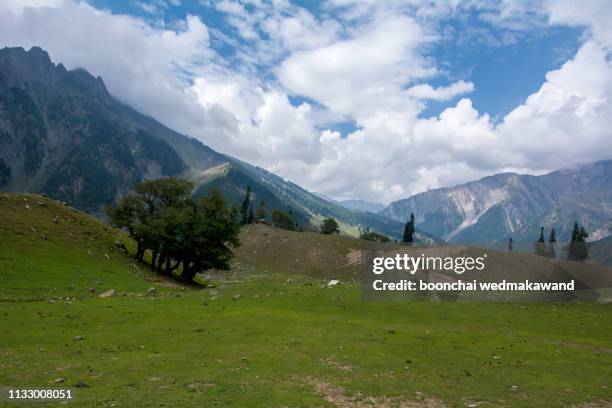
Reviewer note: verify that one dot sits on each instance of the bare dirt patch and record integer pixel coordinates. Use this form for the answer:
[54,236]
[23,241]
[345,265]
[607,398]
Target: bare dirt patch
[337,396]
[594,404]
[594,349]
[332,362]
[353,257]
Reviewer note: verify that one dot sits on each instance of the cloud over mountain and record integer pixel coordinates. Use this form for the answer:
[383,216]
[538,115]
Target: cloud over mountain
[274,83]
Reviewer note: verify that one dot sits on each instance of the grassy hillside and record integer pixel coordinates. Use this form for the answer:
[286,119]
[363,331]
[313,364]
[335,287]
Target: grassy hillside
[50,250]
[600,252]
[271,250]
[268,334]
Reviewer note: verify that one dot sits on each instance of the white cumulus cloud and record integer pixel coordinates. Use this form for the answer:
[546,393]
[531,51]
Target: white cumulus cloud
[293,74]
[442,93]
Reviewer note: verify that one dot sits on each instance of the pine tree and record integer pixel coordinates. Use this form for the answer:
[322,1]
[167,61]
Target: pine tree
[577,249]
[541,239]
[250,217]
[575,232]
[552,238]
[409,230]
[539,248]
[510,245]
[244,208]
[551,252]
[261,211]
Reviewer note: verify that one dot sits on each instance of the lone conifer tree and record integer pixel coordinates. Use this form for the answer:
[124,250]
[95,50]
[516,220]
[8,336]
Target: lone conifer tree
[551,252]
[577,250]
[541,239]
[244,207]
[409,230]
[539,248]
[510,245]
[552,238]
[576,233]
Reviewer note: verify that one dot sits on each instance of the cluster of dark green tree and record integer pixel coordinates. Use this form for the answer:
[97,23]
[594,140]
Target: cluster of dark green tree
[370,235]
[246,209]
[284,220]
[407,238]
[330,226]
[278,218]
[576,250]
[541,248]
[184,236]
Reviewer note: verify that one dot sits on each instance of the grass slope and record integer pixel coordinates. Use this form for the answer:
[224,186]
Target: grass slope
[268,336]
[271,250]
[600,251]
[49,250]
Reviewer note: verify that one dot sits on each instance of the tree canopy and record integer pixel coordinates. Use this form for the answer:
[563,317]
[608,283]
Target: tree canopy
[330,226]
[182,234]
[373,236]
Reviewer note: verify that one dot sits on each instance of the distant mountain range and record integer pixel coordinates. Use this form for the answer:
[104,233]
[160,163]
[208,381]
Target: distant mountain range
[63,134]
[360,205]
[356,205]
[495,208]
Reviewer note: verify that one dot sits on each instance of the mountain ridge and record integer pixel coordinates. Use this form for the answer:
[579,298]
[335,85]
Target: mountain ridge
[63,134]
[510,205]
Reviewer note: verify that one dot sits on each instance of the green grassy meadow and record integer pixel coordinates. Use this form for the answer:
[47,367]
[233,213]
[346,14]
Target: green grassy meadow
[268,332]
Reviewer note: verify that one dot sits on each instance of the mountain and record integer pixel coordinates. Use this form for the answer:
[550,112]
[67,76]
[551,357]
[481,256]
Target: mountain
[355,205]
[360,205]
[63,134]
[495,208]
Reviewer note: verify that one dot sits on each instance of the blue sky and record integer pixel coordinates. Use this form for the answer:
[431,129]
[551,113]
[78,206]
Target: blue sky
[503,75]
[355,99]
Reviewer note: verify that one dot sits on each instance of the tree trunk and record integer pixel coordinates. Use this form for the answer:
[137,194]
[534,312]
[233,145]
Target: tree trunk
[139,250]
[188,271]
[154,258]
[160,262]
[167,270]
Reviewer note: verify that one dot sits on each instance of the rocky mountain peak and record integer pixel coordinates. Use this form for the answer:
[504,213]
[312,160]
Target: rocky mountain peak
[18,66]
[495,208]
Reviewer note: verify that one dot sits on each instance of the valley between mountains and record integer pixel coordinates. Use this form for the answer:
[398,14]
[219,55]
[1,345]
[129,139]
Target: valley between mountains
[63,134]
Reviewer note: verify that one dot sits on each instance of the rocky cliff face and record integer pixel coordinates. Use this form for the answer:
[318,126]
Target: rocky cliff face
[61,133]
[493,209]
